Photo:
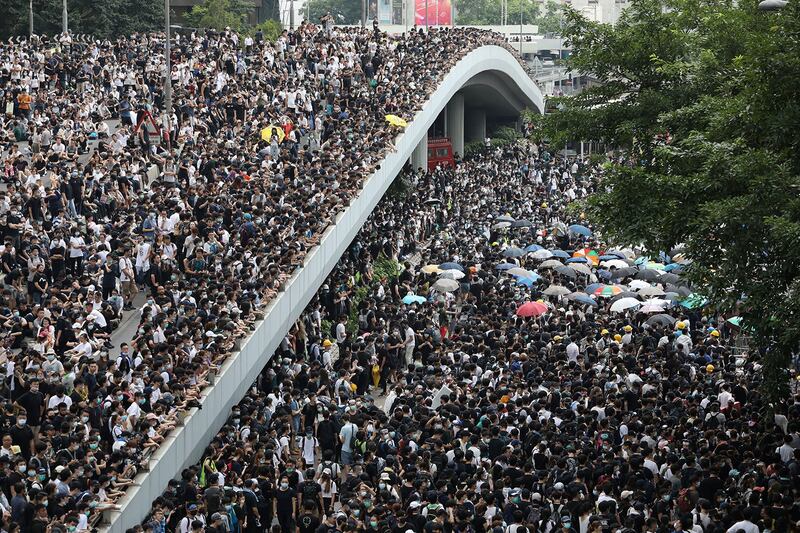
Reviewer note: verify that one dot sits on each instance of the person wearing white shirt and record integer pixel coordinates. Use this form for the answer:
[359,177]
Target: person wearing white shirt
[785,450]
[572,351]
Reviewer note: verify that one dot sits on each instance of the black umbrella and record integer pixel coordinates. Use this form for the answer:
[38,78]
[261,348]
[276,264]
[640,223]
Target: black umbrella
[566,271]
[626,294]
[623,272]
[682,291]
[669,277]
[647,275]
[522,223]
[661,319]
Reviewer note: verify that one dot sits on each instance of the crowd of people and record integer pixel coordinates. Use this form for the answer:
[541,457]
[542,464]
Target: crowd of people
[190,225]
[469,367]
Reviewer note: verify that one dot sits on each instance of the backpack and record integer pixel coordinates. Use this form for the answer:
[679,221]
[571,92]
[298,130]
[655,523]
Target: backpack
[310,490]
[684,502]
[534,515]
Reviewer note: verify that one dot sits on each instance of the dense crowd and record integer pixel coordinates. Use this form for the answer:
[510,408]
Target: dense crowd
[514,375]
[193,227]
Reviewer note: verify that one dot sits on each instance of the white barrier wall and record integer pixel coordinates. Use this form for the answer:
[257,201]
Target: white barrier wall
[185,444]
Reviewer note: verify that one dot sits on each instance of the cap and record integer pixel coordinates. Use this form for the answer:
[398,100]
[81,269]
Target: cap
[617,337]
[414,505]
[385,476]
[627,329]
[715,333]
[680,325]
[216,516]
[604,332]
[326,343]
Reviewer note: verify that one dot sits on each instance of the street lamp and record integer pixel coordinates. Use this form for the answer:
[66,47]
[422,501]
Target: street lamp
[30,17]
[64,18]
[772,5]
[168,74]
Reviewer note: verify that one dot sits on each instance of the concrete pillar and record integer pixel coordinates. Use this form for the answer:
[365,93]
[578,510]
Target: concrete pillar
[419,158]
[454,123]
[475,125]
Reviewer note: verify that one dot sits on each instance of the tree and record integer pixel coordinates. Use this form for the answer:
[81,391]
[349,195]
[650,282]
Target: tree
[343,11]
[717,77]
[219,14]
[488,12]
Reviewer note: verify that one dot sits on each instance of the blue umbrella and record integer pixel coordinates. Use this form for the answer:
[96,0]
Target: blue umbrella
[609,257]
[533,248]
[559,253]
[451,266]
[577,260]
[504,266]
[580,230]
[410,298]
[528,282]
[674,267]
[584,299]
[604,274]
[591,288]
[531,276]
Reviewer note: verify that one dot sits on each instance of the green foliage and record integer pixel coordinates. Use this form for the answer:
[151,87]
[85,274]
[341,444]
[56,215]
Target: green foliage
[219,14]
[106,19]
[343,11]
[473,148]
[271,29]
[719,77]
[385,267]
[488,12]
[400,188]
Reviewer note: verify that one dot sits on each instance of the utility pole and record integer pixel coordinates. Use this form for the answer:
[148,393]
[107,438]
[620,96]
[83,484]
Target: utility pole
[521,4]
[30,17]
[64,18]
[426,14]
[363,13]
[291,14]
[167,75]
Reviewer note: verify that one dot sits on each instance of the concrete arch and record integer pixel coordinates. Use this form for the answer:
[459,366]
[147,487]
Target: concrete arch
[492,65]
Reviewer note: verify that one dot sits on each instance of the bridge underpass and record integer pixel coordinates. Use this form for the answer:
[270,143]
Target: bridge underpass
[489,78]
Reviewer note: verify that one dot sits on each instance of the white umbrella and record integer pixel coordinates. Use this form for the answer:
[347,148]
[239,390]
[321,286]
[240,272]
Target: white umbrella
[550,263]
[651,308]
[445,285]
[451,274]
[583,268]
[651,291]
[659,301]
[624,303]
[542,254]
[556,290]
[614,263]
[518,271]
[501,225]
[638,284]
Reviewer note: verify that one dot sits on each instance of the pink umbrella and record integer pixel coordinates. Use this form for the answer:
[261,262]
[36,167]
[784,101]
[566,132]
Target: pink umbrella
[531,309]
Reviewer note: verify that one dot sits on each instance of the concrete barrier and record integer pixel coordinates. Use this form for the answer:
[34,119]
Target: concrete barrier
[185,445]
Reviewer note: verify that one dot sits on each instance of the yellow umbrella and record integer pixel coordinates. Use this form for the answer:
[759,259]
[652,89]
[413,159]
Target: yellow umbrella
[394,120]
[266,133]
[431,269]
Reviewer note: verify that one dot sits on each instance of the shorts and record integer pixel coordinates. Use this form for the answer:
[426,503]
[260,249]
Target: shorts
[347,458]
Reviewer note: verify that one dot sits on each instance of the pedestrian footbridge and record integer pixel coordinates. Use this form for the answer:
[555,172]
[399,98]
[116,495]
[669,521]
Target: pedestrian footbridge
[489,81]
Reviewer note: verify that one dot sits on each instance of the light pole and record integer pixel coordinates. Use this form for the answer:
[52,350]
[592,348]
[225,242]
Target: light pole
[64,17]
[521,4]
[291,14]
[30,17]
[167,75]
[363,13]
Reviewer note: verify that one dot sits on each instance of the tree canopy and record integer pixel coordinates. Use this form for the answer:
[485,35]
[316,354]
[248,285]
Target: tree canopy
[343,11]
[700,96]
[487,12]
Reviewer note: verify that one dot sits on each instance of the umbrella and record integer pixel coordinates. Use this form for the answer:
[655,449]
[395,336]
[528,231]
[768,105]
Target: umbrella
[582,268]
[542,254]
[651,291]
[501,225]
[735,321]
[505,218]
[412,298]
[674,267]
[612,263]
[451,266]
[433,201]
[451,274]
[560,253]
[522,223]
[581,298]
[566,271]
[694,300]
[591,288]
[608,290]
[445,285]
[583,260]
[625,253]
[431,269]
[659,301]
[661,320]
[528,282]
[683,292]
[624,272]
[626,294]
[394,120]
[580,230]
[533,248]
[638,284]
[513,251]
[532,276]
[556,290]
[266,133]
[591,255]
[669,277]
[609,257]
[531,309]
[559,228]
[624,304]
[647,275]
[604,274]
[550,263]
[518,271]
[651,308]
[505,266]
[672,296]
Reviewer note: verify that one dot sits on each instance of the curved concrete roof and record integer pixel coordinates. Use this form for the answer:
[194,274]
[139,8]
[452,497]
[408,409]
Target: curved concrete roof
[490,67]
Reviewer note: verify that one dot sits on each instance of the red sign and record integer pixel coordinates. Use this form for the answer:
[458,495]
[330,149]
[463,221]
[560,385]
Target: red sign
[433,13]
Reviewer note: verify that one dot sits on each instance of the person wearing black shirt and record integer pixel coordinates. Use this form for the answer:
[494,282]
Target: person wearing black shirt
[308,521]
[33,403]
[284,506]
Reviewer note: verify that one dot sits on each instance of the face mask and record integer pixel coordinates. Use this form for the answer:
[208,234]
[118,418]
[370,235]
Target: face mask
[84,419]
[284,486]
[373,524]
[51,357]
[22,421]
[141,402]
[290,469]
[382,486]
[356,512]
[120,397]
[93,446]
[42,477]
[31,473]
[22,468]
[367,503]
